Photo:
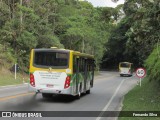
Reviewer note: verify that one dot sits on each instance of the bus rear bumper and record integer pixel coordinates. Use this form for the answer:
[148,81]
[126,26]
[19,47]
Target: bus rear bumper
[67,91]
[125,74]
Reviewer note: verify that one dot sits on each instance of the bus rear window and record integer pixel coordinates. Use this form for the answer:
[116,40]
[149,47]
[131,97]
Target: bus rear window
[125,65]
[50,59]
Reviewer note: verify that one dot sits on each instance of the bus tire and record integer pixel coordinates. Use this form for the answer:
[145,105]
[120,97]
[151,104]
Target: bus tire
[79,93]
[46,95]
[131,75]
[88,91]
[121,75]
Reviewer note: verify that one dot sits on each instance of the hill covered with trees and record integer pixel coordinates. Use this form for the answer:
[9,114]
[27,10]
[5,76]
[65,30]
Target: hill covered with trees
[70,24]
[136,34]
[128,32]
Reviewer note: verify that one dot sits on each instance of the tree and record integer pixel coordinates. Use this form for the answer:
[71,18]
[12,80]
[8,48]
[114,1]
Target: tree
[70,24]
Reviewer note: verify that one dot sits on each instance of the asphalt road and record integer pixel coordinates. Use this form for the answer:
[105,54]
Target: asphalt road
[106,95]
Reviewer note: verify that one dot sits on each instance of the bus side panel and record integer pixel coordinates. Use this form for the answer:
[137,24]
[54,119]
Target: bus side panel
[82,73]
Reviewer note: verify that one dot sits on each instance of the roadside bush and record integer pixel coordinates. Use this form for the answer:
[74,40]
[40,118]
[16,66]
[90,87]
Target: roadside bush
[152,63]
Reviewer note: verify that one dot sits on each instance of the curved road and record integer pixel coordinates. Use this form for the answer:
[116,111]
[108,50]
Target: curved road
[106,95]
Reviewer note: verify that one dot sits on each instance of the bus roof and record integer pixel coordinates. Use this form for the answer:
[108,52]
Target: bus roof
[126,62]
[65,50]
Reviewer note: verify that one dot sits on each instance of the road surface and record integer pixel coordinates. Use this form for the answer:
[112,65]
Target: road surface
[106,95]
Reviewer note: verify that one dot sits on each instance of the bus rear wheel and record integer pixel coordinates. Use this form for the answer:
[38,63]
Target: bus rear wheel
[88,91]
[47,95]
[78,96]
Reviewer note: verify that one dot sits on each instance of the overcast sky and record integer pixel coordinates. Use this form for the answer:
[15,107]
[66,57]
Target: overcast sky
[105,3]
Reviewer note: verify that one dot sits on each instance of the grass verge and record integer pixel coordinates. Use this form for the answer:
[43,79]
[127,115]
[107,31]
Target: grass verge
[144,98]
[8,78]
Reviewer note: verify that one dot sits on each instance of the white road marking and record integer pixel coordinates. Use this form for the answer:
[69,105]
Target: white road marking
[108,104]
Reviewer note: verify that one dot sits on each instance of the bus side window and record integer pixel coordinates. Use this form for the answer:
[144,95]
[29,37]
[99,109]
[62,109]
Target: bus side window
[74,65]
[90,65]
[83,64]
[80,65]
[87,65]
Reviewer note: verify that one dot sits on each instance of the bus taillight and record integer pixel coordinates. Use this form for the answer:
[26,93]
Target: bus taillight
[67,82]
[32,81]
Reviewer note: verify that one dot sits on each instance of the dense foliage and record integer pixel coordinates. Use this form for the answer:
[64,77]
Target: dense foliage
[153,64]
[136,34]
[70,24]
[128,32]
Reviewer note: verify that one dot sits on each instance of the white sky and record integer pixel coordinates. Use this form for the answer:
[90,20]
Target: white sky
[105,3]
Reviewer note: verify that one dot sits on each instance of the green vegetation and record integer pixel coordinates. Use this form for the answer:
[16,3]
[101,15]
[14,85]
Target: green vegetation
[144,98]
[136,39]
[136,34]
[70,24]
[129,32]
[147,97]
[8,78]
[153,64]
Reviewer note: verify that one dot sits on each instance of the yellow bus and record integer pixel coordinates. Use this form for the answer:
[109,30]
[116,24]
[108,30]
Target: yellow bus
[60,71]
[125,69]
